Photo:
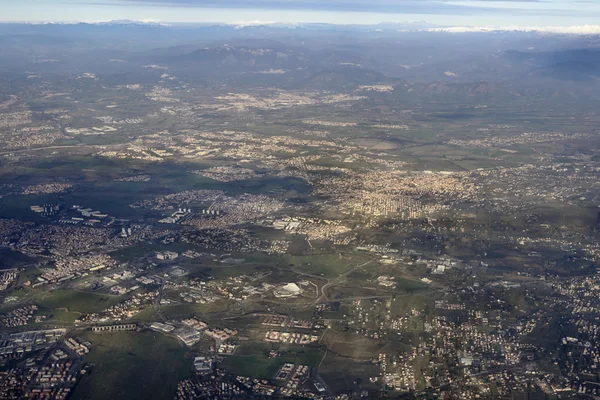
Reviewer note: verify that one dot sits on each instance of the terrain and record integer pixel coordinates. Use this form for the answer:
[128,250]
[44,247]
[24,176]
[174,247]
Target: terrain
[202,211]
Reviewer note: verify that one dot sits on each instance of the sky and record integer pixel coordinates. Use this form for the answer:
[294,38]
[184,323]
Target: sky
[492,13]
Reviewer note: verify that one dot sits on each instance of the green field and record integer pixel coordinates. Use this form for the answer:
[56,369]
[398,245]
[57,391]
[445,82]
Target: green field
[402,305]
[252,359]
[351,345]
[132,365]
[409,285]
[327,265]
[60,316]
[76,301]
[345,374]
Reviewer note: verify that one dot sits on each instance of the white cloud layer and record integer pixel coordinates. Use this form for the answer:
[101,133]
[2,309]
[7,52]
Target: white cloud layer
[568,30]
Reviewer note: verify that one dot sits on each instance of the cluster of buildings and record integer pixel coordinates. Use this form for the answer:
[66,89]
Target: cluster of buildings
[78,347]
[18,317]
[259,387]
[46,210]
[74,215]
[500,141]
[316,229]
[167,255]
[275,101]
[114,328]
[161,94]
[191,330]
[177,216]
[228,211]
[200,291]
[394,193]
[59,241]
[11,230]
[47,188]
[89,212]
[95,130]
[179,199]
[14,119]
[200,295]
[226,348]
[442,338]
[376,88]
[189,336]
[135,178]
[70,267]
[491,340]
[17,345]
[7,278]
[238,287]
[335,124]
[290,381]
[465,339]
[121,311]
[285,321]
[230,240]
[205,387]
[291,377]
[277,246]
[138,153]
[511,188]
[232,145]
[386,205]
[386,281]
[398,371]
[221,335]
[227,173]
[581,348]
[111,277]
[195,322]
[41,378]
[26,136]
[290,337]
[403,127]
[204,364]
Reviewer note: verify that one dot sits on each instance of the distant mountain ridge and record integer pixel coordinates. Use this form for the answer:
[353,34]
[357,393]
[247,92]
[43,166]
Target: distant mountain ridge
[574,64]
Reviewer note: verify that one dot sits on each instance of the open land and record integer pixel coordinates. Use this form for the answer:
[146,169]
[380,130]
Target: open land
[238,216]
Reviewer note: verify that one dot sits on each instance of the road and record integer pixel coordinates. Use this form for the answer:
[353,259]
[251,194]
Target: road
[322,297]
[336,280]
[159,298]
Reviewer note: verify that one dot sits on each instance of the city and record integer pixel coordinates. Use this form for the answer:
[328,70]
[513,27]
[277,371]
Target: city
[218,211]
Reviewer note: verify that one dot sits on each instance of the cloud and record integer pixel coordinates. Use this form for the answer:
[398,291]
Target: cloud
[385,6]
[488,11]
[422,7]
[567,30]
[300,3]
[244,24]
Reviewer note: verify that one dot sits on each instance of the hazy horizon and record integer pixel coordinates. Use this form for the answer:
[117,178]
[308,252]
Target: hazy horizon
[523,13]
